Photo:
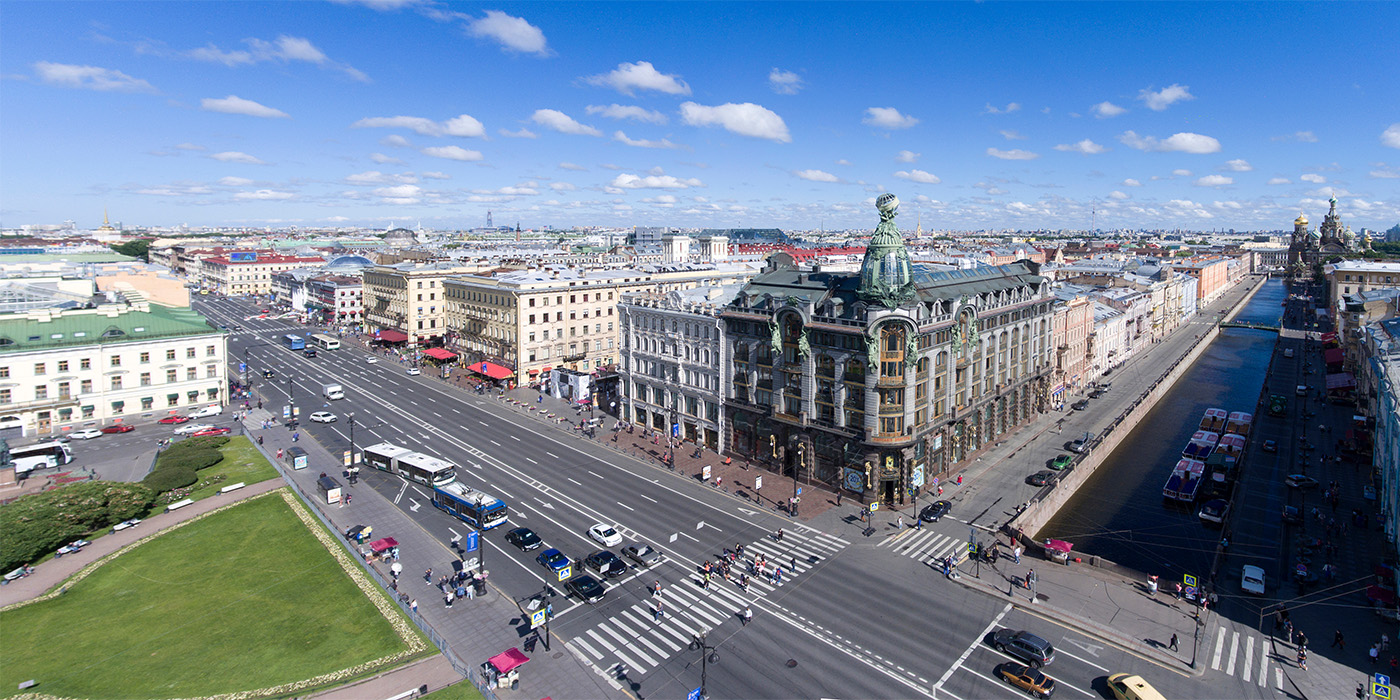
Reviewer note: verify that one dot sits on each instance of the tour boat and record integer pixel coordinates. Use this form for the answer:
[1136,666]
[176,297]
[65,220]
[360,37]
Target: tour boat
[1214,419]
[1202,443]
[1239,423]
[1185,480]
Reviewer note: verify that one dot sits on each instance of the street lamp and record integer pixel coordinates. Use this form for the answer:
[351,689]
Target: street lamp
[801,457]
[708,656]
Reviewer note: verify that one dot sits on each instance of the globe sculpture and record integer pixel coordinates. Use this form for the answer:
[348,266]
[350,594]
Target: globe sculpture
[887,204]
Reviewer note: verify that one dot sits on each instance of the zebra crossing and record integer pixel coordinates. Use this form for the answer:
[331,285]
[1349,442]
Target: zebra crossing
[1235,652]
[924,545]
[635,640]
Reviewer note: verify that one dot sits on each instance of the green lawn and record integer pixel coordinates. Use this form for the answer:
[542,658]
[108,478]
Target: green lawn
[463,690]
[243,599]
[242,462]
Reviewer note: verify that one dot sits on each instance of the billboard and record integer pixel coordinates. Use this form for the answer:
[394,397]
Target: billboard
[243,257]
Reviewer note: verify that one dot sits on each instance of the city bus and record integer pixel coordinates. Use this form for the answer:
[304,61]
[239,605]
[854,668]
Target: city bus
[382,456]
[294,342]
[481,510]
[56,453]
[325,342]
[414,466]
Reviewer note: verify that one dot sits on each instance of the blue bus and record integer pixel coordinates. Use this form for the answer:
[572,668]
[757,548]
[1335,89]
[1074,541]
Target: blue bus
[474,507]
[295,342]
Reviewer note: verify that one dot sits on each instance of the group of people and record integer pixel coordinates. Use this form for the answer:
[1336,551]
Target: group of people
[462,584]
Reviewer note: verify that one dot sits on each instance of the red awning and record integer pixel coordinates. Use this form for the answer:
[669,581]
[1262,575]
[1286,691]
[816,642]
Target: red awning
[1341,380]
[491,370]
[1380,595]
[1329,336]
[1058,546]
[508,660]
[546,369]
[440,354]
[1333,356]
[391,336]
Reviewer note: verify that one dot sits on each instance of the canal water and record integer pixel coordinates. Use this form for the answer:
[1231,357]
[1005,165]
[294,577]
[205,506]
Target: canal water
[1119,513]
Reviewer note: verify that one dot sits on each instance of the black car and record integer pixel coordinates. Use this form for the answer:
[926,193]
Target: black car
[524,538]
[1080,404]
[1269,446]
[1095,394]
[933,511]
[606,564]
[587,588]
[1041,478]
[1025,646]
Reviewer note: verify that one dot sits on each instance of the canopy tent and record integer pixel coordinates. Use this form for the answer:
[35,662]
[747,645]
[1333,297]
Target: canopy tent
[491,370]
[391,336]
[1333,356]
[440,354]
[1340,381]
[508,660]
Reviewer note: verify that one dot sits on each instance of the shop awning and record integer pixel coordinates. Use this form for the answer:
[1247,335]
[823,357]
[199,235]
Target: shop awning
[491,370]
[391,336]
[532,372]
[1333,356]
[1340,380]
[1329,336]
[508,660]
[440,354]
[546,369]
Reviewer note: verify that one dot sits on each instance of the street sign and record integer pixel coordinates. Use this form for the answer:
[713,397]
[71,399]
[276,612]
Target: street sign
[1190,591]
[799,490]
[1380,691]
[705,473]
[1381,679]
[675,430]
[693,695]
[242,367]
[935,481]
[566,573]
[757,483]
[1188,580]
[286,411]
[473,542]
[347,458]
[537,618]
[874,506]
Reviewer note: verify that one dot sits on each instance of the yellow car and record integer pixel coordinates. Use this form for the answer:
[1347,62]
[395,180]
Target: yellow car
[1028,679]
[1126,686]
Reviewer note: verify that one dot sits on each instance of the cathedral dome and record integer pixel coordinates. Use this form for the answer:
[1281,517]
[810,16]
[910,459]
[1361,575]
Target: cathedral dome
[1302,220]
[401,236]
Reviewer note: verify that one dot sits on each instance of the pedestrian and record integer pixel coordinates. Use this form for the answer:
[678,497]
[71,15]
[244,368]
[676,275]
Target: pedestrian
[1016,554]
[718,481]
[1375,653]
[705,583]
[1303,658]
[296,436]
[279,453]
[1178,590]
[899,523]
[449,599]
[428,576]
[838,498]
[748,616]
[1338,641]
[656,588]
[1172,645]
[657,613]
[414,605]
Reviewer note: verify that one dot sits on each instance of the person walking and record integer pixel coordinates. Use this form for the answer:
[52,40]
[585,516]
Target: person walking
[657,613]
[1338,641]
[1303,658]
[1016,554]
[899,522]
[656,588]
[1172,644]
[748,616]
[1375,653]
[428,576]
[413,605]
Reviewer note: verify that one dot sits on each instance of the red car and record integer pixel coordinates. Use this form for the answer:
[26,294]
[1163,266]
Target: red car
[175,419]
[212,431]
[118,428]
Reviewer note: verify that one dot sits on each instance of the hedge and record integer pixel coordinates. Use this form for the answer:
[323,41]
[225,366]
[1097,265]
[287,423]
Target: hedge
[39,523]
[193,460]
[170,478]
[208,442]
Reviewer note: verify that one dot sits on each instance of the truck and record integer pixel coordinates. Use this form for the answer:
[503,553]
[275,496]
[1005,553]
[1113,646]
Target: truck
[332,392]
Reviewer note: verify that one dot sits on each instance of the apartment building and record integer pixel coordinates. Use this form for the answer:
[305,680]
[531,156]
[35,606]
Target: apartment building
[248,272]
[406,302]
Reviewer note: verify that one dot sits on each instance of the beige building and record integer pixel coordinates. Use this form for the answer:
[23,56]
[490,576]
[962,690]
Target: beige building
[155,287]
[248,273]
[1357,276]
[407,299]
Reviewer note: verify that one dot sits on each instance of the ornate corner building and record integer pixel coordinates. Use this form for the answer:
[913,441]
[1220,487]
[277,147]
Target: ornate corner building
[881,381]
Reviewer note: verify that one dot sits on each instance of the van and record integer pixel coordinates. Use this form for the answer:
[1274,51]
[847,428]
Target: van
[1302,390]
[206,411]
[296,458]
[1288,352]
[1127,686]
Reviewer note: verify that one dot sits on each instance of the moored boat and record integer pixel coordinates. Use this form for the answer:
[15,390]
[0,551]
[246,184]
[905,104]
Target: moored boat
[1184,481]
[1239,423]
[1214,420]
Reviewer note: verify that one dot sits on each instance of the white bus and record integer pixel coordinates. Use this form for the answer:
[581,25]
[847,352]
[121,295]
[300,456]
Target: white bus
[382,456]
[325,342]
[56,453]
[415,466]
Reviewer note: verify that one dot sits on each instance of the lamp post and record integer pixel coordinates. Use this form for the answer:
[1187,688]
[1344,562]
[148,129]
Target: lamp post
[801,458]
[707,656]
[291,405]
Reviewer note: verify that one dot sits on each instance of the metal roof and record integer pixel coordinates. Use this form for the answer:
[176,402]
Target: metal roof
[98,326]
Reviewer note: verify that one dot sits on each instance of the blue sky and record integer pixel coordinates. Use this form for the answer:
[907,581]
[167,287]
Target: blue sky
[792,115]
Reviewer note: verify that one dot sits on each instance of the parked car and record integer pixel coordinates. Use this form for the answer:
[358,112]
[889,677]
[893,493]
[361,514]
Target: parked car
[206,412]
[211,431]
[1027,678]
[1080,404]
[1079,445]
[414,371]
[323,417]
[1296,481]
[117,429]
[933,511]
[88,434]
[553,559]
[191,428]
[1097,393]
[586,588]
[174,420]
[1041,478]
[1024,646]
[606,564]
[524,538]
[1061,462]
[1269,446]
[606,535]
[1252,579]
[372,360]
[643,554]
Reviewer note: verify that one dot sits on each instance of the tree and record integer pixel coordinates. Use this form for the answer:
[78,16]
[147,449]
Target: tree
[138,248]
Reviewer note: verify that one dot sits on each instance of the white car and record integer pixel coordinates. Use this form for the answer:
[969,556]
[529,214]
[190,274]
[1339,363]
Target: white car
[323,417]
[414,371]
[1253,580]
[190,428]
[88,434]
[206,412]
[606,535]
[372,360]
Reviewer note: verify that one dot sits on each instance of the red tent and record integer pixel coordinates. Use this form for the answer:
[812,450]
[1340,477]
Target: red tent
[491,370]
[440,354]
[508,660]
[1333,356]
[390,336]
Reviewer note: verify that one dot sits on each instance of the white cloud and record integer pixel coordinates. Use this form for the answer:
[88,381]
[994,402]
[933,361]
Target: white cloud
[630,77]
[1314,178]
[1014,154]
[907,156]
[1238,165]
[1130,182]
[512,33]
[1181,172]
[1299,136]
[90,78]
[400,194]
[1086,147]
[1186,206]
[1385,173]
[231,181]
[524,189]
[283,49]
[1164,98]
[374,177]
[1106,109]
[234,104]
[784,82]
[1391,136]
[1215,181]
[816,176]
[1279,181]
[843,161]
[745,119]
[1119,195]
[1228,205]
[521,133]
[562,123]
[888,118]
[1011,107]
[190,147]
[435,175]
[615,111]
[572,166]
[919,176]
[1012,135]
[562,187]
[464,125]
[1184,142]
[661,199]
[629,181]
[643,143]
[265,195]
[452,153]
[383,159]
[236,157]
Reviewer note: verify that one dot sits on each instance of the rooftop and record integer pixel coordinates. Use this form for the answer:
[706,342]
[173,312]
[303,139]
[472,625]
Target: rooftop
[46,329]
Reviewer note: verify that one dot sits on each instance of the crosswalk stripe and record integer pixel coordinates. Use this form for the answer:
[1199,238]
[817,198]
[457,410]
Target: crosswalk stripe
[1263,666]
[669,626]
[915,543]
[1278,677]
[640,635]
[614,650]
[1248,659]
[694,606]
[578,641]
[623,641]
[937,543]
[813,541]
[1234,649]
[1219,647]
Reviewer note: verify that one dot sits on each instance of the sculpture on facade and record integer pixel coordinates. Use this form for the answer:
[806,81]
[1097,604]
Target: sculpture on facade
[911,348]
[872,354]
[775,339]
[804,346]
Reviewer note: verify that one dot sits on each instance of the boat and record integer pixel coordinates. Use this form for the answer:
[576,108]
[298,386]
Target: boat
[1184,480]
[1239,423]
[1202,443]
[1232,445]
[1214,511]
[1214,420]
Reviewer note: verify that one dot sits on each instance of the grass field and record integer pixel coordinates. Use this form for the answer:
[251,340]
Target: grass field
[243,599]
[463,690]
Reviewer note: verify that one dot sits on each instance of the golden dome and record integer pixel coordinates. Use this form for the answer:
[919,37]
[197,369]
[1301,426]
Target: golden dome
[1302,220]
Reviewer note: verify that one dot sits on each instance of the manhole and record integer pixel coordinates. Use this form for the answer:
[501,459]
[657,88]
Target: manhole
[792,663]
[558,654]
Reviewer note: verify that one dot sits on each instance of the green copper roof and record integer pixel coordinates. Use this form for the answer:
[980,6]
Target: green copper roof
[886,273]
[90,326]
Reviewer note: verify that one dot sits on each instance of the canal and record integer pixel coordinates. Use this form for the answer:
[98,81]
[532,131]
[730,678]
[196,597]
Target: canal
[1119,513]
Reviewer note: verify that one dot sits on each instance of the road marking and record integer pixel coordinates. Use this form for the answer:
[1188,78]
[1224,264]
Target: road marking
[1219,647]
[531,461]
[968,652]
[624,505]
[414,508]
[649,498]
[1263,665]
[1234,649]
[515,438]
[455,536]
[493,442]
[570,478]
[590,471]
[584,645]
[482,423]
[1072,656]
[551,454]
[1248,659]
[456,411]
[496,487]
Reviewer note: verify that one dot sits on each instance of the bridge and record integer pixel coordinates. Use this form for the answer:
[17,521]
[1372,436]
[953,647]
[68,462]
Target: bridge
[1245,324]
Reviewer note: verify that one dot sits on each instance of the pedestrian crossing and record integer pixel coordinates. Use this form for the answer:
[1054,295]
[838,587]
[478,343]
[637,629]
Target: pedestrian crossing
[924,545]
[1248,657]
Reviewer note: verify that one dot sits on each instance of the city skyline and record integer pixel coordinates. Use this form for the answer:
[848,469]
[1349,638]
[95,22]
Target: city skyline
[980,116]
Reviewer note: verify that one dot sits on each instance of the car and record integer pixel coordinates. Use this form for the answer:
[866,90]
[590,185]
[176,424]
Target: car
[1214,511]
[269,374]
[1296,481]
[206,412]
[237,327]
[372,360]
[643,554]
[1128,686]
[606,535]
[1025,646]
[524,538]
[586,588]
[1269,446]
[1061,462]
[323,417]
[933,511]
[553,559]
[1078,446]
[1080,404]
[1095,394]
[1252,579]
[414,371]
[117,429]
[1027,678]
[606,564]
[212,431]
[174,420]
[1041,478]
[1292,516]
[191,428]
[88,434]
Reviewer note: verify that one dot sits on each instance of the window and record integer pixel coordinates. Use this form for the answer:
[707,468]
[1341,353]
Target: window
[211,372]
[39,369]
[4,396]
[147,403]
[116,382]
[145,379]
[118,407]
[41,392]
[209,351]
[4,372]
[62,366]
[171,376]
[192,373]
[170,354]
[189,353]
[85,386]
[145,357]
[172,400]
[88,411]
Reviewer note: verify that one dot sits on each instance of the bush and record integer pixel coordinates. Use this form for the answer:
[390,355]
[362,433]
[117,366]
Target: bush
[193,460]
[39,523]
[169,478]
[208,442]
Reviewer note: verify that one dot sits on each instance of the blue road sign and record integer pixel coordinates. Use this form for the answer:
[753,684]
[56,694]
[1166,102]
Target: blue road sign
[693,695]
[675,430]
[1382,679]
[242,367]
[473,541]
[799,490]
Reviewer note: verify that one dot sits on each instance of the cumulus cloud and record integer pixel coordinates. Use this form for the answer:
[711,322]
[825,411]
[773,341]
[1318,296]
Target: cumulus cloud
[1385,173]
[1299,136]
[1238,165]
[1130,182]
[745,119]
[1279,181]
[374,177]
[1215,181]
[264,195]
[463,125]
[816,175]
[1011,107]
[562,123]
[1013,154]
[887,118]
[512,33]
[843,161]
[1184,142]
[642,143]
[236,157]
[231,181]
[919,176]
[435,175]
[562,187]
[1166,97]
[1086,147]
[1314,178]
[1117,194]
[89,78]
[634,112]
[907,156]
[521,133]
[399,194]
[1012,135]
[383,159]
[396,141]
[1106,109]
[1391,136]
[572,166]
[784,82]
[628,181]
[664,200]
[1181,172]
[283,49]
[234,104]
[452,153]
[627,78]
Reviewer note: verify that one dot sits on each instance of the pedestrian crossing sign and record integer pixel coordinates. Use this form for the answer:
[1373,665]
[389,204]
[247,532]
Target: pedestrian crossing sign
[1188,580]
[566,573]
[537,618]
[1380,686]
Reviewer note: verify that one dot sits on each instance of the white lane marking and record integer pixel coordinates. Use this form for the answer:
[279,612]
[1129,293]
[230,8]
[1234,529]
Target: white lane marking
[649,498]
[515,438]
[624,505]
[1263,665]
[570,478]
[531,461]
[1234,649]
[495,487]
[1278,677]
[493,442]
[551,454]
[590,471]
[968,652]
[456,411]
[1072,656]
[608,645]
[1248,659]
[584,645]
[482,423]
[1219,647]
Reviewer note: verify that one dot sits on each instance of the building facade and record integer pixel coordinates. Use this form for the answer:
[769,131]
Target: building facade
[1358,276]
[235,274]
[407,299]
[1072,334]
